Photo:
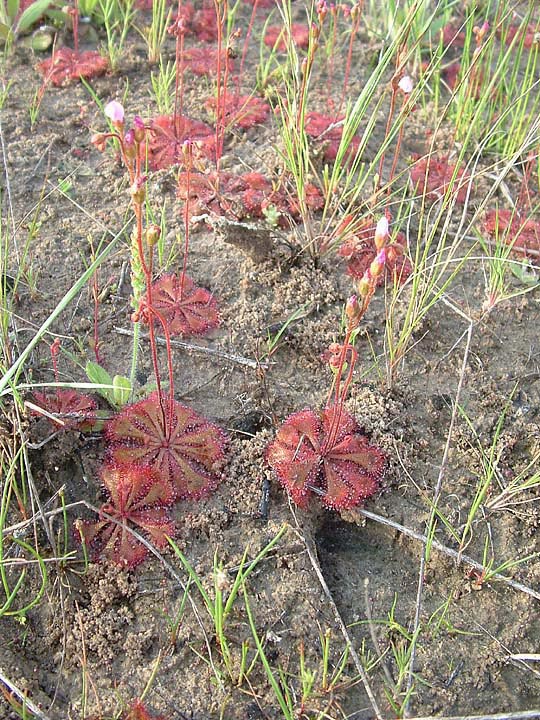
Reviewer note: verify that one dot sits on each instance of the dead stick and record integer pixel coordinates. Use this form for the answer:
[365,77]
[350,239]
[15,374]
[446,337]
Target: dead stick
[460,558]
[239,359]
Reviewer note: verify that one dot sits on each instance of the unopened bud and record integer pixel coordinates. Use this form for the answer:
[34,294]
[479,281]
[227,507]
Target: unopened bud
[377,266]
[99,140]
[138,191]
[139,129]
[130,149]
[353,311]
[153,233]
[364,286]
[381,233]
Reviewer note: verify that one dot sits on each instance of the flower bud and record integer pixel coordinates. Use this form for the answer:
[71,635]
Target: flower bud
[99,140]
[139,129]
[130,148]
[381,233]
[364,286]
[377,266]
[115,112]
[138,191]
[153,233]
[353,311]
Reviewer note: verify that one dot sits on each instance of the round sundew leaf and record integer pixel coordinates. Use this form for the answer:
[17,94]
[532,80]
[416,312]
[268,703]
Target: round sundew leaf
[168,135]
[294,455]
[189,310]
[179,445]
[328,455]
[137,499]
[66,65]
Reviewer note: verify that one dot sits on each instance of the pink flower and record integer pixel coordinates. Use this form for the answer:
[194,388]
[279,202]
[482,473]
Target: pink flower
[115,112]
[381,232]
[406,85]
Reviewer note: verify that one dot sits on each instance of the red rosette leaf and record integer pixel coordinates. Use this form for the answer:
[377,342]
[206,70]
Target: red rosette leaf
[327,131]
[187,310]
[435,177]
[510,227]
[182,447]
[137,498]
[168,135]
[241,111]
[75,410]
[204,61]
[66,65]
[294,455]
[275,36]
[327,455]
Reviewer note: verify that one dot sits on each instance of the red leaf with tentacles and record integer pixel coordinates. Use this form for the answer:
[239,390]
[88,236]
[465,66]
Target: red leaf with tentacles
[66,65]
[242,196]
[510,227]
[169,133]
[277,34]
[434,177]
[242,111]
[327,130]
[74,409]
[325,455]
[138,498]
[187,310]
[182,448]
[203,60]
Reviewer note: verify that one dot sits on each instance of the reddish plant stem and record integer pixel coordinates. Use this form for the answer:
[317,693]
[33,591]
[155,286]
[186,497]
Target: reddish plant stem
[246,43]
[75,20]
[188,153]
[354,29]
[339,390]
[179,77]
[220,95]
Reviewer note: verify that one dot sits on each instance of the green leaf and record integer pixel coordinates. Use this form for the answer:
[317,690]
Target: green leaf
[122,390]
[5,31]
[32,14]
[40,40]
[98,375]
[12,7]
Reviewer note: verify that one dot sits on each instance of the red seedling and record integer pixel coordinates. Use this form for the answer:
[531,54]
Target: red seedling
[168,135]
[435,177]
[242,111]
[277,34]
[360,251]
[67,65]
[183,448]
[204,61]
[186,309]
[327,131]
[510,226]
[138,711]
[310,456]
[137,497]
[74,410]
